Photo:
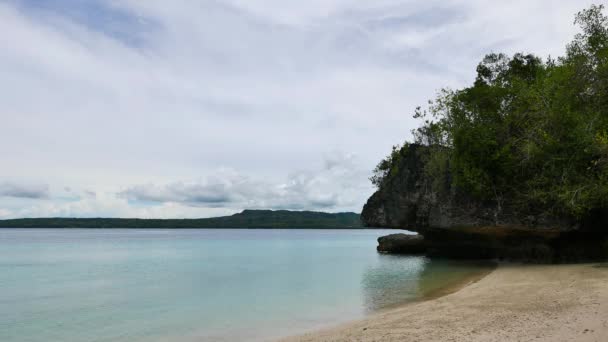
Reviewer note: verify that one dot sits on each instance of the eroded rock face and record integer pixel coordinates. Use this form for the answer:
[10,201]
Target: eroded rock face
[402,244]
[455,225]
[408,201]
[405,201]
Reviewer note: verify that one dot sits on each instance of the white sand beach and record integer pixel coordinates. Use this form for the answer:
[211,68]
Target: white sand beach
[513,303]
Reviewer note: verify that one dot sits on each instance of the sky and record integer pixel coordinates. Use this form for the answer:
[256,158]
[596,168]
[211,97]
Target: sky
[179,109]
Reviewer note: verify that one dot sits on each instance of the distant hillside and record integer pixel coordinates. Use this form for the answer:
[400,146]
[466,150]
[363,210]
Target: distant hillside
[245,219]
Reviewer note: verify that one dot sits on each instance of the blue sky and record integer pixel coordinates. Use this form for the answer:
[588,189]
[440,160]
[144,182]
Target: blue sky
[202,108]
[94,15]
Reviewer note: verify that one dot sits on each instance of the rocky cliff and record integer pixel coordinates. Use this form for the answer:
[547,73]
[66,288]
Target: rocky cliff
[456,225]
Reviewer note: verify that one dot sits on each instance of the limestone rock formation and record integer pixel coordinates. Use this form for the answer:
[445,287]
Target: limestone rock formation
[455,225]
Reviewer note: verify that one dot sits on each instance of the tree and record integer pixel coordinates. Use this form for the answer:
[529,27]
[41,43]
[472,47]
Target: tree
[527,131]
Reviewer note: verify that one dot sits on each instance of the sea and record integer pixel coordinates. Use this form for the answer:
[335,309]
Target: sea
[202,284]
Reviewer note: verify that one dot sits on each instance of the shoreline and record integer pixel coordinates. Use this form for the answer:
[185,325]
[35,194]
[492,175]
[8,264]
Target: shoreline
[511,303]
[452,286]
[458,284]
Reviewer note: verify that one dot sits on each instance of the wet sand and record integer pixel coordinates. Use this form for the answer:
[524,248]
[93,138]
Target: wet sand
[512,303]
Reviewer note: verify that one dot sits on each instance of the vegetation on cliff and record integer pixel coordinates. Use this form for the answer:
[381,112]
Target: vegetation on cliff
[528,132]
[245,219]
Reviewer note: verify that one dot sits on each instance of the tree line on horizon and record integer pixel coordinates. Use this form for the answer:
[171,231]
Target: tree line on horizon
[245,219]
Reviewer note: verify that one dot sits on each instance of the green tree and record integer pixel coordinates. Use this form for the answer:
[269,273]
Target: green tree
[529,132]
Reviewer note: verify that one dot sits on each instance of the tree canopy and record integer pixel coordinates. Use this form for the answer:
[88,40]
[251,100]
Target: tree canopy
[530,131]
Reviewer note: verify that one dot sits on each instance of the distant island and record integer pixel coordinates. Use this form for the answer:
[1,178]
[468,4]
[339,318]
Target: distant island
[259,219]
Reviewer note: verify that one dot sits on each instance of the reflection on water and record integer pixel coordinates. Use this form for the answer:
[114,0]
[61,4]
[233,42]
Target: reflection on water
[391,281]
[440,275]
[401,279]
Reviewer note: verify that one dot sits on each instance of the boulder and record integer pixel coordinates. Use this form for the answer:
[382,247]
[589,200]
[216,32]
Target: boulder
[402,244]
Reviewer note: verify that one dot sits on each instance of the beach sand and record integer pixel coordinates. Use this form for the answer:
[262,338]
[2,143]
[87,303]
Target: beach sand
[512,303]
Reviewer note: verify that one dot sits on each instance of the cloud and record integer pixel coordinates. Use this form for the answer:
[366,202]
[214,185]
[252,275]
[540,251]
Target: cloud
[4,213]
[338,186]
[142,97]
[24,190]
[104,204]
[209,193]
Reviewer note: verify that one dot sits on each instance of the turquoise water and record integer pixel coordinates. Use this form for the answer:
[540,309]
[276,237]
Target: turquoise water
[198,285]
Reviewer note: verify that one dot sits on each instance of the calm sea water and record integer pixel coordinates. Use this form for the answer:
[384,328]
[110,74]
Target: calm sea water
[199,285]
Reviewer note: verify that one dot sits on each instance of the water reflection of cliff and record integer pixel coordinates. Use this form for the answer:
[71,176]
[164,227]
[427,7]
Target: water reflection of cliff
[401,279]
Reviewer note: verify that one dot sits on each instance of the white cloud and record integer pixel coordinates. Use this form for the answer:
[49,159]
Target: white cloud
[161,92]
[4,213]
[24,190]
[105,205]
[340,185]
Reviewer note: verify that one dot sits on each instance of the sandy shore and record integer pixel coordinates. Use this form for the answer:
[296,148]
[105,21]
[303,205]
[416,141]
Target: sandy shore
[513,303]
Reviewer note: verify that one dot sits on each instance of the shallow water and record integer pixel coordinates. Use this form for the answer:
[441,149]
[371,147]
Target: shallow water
[208,285]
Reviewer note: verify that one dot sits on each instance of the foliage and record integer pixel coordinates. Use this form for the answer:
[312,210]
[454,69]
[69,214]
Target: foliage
[529,131]
[388,166]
